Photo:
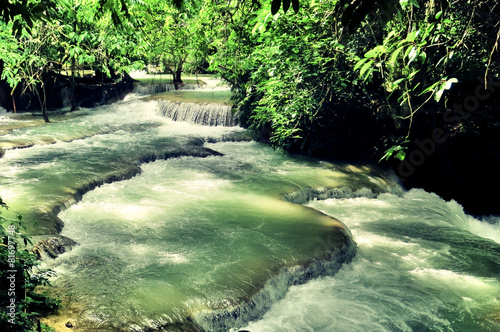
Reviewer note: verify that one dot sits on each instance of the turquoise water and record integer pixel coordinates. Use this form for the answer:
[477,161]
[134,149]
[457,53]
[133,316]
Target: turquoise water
[178,233]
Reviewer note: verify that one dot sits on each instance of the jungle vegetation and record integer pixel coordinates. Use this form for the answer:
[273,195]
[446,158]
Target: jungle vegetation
[21,296]
[295,74]
[328,78]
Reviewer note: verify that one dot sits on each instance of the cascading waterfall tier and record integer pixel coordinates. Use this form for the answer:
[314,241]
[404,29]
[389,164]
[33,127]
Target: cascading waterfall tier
[337,252]
[208,114]
[154,88]
[170,241]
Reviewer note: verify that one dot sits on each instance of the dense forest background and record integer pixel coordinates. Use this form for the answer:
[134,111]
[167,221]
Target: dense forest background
[412,84]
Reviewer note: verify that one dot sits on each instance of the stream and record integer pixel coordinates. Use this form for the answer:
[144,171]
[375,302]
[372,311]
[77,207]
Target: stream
[191,225]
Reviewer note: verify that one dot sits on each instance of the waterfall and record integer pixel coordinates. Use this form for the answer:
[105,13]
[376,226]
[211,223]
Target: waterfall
[422,264]
[195,228]
[153,88]
[207,114]
[276,288]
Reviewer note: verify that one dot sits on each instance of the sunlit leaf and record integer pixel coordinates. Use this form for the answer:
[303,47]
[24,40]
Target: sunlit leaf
[412,36]
[395,54]
[401,155]
[360,63]
[365,68]
[438,95]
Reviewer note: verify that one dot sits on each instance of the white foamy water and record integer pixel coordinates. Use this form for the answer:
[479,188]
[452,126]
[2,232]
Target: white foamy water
[422,265]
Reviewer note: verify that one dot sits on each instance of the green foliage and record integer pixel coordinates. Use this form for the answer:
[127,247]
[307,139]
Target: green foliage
[276,5]
[396,151]
[19,278]
[297,76]
[281,68]
[27,57]
[290,72]
[425,51]
[98,36]
[403,56]
[351,13]
[23,14]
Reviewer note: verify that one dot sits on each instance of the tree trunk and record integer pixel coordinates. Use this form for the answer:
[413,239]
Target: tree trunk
[43,103]
[177,75]
[74,105]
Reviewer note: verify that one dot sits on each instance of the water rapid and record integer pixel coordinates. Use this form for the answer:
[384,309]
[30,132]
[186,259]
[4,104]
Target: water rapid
[186,227]
[422,265]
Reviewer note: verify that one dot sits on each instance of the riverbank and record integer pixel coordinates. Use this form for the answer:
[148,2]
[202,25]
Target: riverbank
[456,160]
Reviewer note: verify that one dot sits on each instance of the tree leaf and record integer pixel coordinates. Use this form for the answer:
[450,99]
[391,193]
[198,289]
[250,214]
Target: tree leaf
[401,155]
[422,57]
[395,54]
[371,54]
[448,83]
[397,82]
[438,95]
[360,63]
[414,3]
[412,36]
[365,68]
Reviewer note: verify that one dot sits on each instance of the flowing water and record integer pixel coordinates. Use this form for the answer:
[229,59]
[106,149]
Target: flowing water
[422,265]
[182,227]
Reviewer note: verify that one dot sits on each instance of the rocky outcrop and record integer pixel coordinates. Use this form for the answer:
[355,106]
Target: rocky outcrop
[87,92]
[53,247]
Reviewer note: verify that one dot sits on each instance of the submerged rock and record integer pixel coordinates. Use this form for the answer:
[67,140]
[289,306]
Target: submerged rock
[53,247]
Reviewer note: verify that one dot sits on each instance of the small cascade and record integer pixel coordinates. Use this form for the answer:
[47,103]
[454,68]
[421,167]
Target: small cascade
[154,88]
[305,195]
[207,114]
[337,253]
